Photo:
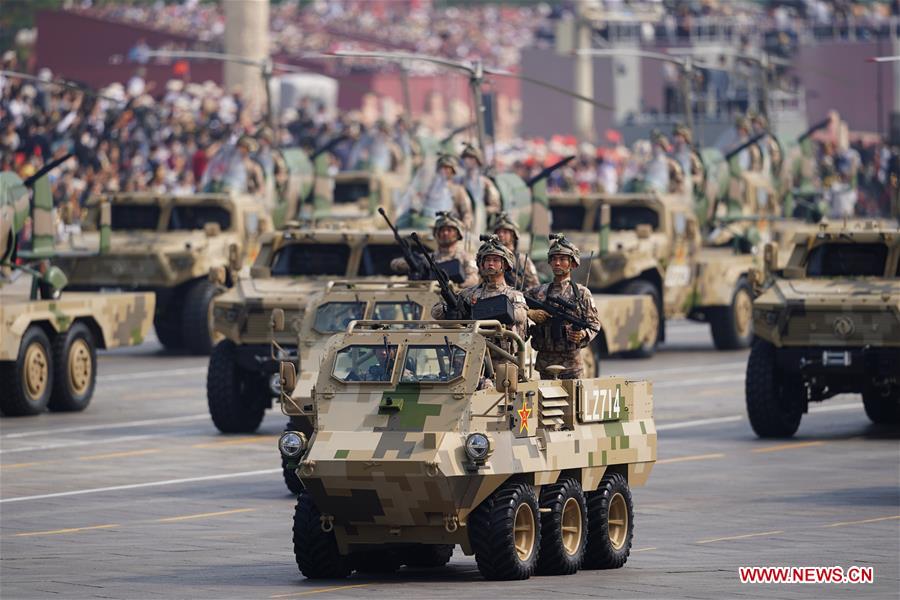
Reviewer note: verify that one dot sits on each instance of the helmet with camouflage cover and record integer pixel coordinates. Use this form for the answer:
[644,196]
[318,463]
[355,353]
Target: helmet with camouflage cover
[504,221]
[248,142]
[682,130]
[445,219]
[492,246]
[560,245]
[472,151]
[742,122]
[447,160]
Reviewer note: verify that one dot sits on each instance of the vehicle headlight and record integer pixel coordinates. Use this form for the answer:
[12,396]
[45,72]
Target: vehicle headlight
[292,444]
[478,447]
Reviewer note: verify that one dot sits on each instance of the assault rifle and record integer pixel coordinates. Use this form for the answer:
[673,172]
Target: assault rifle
[457,308]
[561,311]
[418,268]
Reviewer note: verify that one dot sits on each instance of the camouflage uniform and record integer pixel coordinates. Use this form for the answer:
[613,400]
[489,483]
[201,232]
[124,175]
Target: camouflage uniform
[485,290]
[447,195]
[479,187]
[563,352]
[524,269]
[443,254]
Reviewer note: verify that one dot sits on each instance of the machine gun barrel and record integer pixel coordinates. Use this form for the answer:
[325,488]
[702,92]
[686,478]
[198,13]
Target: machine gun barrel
[747,144]
[456,307]
[821,124]
[546,172]
[418,270]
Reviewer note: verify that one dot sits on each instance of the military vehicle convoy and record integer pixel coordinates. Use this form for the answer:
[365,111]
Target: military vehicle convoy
[827,323]
[433,434]
[49,338]
[647,244]
[169,245]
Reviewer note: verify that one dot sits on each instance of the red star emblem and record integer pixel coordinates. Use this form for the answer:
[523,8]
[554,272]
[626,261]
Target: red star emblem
[524,413]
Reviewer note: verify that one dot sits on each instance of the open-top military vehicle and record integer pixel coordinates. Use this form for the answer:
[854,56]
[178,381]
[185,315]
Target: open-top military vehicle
[49,338]
[646,244]
[827,323]
[169,245]
[433,434]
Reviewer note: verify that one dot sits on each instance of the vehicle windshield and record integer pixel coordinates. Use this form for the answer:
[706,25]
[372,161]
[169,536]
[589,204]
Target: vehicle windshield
[333,317]
[568,218]
[433,363]
[188,218]
[397,311]
[133,217]
[225,172]
[626,218]
[350,192]
[847,260]
[311,259]
[376,259]
[365,363]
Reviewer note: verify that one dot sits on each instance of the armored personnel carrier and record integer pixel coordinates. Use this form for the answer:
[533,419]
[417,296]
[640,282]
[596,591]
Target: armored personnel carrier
[432,434]
[169,245]
[827,323]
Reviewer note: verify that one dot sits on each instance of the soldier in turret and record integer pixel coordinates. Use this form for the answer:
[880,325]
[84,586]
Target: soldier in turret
[524,271]
[480,187]
[563,257]
[448,232]
[445,195]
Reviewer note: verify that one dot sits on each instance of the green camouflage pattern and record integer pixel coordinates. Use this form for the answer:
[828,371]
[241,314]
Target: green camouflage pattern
[386,461]
[794,309]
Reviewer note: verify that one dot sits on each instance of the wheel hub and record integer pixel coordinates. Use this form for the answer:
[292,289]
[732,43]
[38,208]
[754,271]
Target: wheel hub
[743,309]
[524,532]
[571,526]
[37,371]
[618,521]
[80,367]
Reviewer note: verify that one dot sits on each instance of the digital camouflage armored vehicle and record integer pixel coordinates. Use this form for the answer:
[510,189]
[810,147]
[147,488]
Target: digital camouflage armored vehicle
[170,245]
[291,268]
[49,337]
[648,244]
[827,323]
[431,435]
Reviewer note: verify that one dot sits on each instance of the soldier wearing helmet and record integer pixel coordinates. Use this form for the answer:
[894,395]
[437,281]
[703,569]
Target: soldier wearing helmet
[448,232]
[479,187]
[493,260]
[563,257]
[657,168]
[524,270]
[445,195]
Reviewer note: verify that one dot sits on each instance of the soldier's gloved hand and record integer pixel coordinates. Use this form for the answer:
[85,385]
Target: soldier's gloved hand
[575,335]
[537,315]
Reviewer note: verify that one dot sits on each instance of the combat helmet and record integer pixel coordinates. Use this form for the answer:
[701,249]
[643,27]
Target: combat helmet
[492,246]
[560,245]
[445,219]
[249,143]
[505,222]
[683,130]
[470,150]
[447,160]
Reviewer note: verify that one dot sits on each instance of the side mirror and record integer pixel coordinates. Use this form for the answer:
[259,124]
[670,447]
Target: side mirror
[234,257]
[277,321]
[287,372]
[212,229]
[56,279]
[105,226]
[755,277]
[217,275]
[770,257]
[643,231]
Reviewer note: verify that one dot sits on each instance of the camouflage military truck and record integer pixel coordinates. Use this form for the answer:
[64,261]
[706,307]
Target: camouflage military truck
[433,435]
[827,323]
[648,244]
[170,245]
[292,266]
[49,338]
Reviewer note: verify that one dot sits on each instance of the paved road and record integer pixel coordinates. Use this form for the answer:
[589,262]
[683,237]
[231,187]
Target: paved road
[140,497]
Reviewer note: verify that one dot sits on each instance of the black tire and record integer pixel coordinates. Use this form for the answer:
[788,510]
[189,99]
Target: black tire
[74,369]
[234,396]
[167,322]
[290,478]
[608,549]
[774,402]
[562,550]
[427,556]
[195,317]
[22,394]
[383,561]
[316,551]
[642,287]
[732,326]
[493,535]
[882,406]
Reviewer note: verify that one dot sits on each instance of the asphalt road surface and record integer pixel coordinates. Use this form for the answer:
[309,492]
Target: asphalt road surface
[141,497]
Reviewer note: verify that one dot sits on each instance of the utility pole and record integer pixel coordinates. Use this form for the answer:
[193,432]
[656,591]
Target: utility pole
[247,35]
[584,75]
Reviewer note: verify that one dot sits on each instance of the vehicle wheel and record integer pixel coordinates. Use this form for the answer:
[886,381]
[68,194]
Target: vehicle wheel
[610,524]
[774,408]
[641,287]
[316,551]
[74,369]
[882,406]
[564,528]
[732,326]
[167,322]
[382,562]
[427,556]
[196,318]
[505,533]
[28,381]
[290,478]
[233,395]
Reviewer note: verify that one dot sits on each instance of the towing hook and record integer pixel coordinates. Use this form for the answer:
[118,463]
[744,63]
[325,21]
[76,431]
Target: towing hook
[327,522]
[451,523]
